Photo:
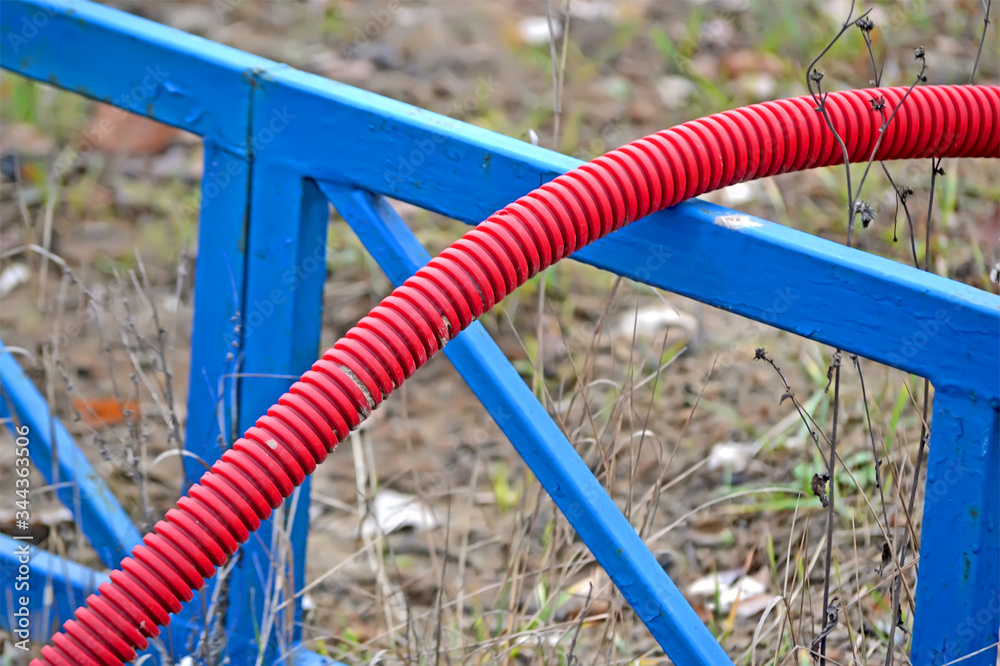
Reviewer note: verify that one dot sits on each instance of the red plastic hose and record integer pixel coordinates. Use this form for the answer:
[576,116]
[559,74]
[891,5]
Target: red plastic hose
[416,320]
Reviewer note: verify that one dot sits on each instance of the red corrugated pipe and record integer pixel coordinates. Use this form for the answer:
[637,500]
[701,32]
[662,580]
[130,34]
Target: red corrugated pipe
[477,271]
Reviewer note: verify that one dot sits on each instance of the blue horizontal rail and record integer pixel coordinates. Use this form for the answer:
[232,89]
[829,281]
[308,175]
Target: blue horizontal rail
[328,131]
[272,133]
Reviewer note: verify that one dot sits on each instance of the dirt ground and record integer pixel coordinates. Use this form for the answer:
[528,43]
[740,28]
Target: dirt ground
[661,395]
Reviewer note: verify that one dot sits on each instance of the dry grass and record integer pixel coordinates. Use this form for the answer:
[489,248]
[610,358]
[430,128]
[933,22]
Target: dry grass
[504,578]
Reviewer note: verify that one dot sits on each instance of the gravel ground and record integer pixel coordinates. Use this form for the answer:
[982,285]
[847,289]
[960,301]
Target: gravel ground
[661,395]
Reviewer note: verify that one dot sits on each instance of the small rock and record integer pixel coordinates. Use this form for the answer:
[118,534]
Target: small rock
[650,322]
[534,30]
[757,86]
[675,91]
[733,455]
[738,194]
[594,10]
[392,510]
[705,65]
[642,111]
[383,55]
[13,277]
[172,164]
[195,17]
[616,87]
[717,31]
[26,139]
[10,167]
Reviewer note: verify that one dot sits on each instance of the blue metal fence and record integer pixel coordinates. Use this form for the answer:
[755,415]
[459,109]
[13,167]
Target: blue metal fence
[280,145]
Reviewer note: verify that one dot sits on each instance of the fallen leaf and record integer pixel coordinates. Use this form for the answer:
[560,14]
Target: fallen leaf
[730,587]
[584,596]
[738,63]
[754,604]
[100,412]
[734,455]
[113,130]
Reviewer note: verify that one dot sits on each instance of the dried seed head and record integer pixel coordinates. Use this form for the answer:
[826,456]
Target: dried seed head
[865,212]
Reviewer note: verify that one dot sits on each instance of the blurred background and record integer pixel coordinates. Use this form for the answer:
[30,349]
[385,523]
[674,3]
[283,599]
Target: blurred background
[430,539]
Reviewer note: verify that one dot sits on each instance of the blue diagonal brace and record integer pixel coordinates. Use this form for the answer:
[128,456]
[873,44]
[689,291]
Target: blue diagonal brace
[544,447]
[78,485]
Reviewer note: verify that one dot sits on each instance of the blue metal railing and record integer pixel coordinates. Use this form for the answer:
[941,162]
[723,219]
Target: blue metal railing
[281,145]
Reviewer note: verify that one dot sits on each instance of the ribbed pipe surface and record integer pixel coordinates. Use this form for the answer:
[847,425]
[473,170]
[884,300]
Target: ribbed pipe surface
[416,320]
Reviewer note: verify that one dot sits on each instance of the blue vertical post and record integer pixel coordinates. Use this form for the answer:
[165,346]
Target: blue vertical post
[958,589]
[218,302]
[286,270]
[219,283]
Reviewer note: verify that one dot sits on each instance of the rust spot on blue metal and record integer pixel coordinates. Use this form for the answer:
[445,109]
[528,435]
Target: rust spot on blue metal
[255,76]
